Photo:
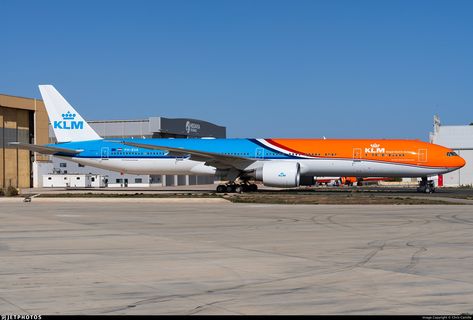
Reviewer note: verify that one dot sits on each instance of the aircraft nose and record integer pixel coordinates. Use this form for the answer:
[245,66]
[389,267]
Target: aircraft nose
[461,162]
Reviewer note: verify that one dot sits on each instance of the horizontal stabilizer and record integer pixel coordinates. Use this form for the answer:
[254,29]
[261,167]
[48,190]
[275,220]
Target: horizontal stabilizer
[45,149]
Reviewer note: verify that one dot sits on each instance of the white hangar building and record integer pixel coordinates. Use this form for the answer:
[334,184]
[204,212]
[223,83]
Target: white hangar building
[460,139]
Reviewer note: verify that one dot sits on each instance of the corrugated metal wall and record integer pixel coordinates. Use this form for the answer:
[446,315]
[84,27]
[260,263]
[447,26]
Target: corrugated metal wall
[15,164]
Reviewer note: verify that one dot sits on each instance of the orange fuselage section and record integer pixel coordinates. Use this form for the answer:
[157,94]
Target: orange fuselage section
[411,152]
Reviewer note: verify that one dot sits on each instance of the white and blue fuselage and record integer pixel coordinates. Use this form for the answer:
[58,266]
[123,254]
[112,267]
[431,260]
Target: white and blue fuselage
[275,162]
[117,156]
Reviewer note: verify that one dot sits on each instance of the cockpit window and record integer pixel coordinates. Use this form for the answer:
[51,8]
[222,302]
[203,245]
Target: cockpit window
[451,154]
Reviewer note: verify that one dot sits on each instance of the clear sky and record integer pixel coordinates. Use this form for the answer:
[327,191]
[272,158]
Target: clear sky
[351,69]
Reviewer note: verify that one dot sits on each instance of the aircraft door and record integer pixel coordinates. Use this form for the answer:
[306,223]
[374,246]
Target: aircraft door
[104,153]
[356,153]
[357,166]
[422,154]
[259,153]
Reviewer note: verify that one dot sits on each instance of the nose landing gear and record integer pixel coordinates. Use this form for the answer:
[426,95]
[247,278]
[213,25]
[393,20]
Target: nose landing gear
[426,186]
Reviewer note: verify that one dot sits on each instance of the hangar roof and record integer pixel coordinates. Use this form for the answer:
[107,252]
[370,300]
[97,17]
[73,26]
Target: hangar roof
[454,137]
[156,127]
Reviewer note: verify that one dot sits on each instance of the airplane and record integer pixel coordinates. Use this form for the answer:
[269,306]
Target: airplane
[327,180]
[375,180]
[276,162]
[348,181]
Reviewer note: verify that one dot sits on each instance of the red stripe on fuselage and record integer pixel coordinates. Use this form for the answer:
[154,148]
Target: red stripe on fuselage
[271,141]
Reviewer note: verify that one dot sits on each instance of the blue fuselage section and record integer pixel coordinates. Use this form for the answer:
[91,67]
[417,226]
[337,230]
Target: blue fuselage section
[246,148]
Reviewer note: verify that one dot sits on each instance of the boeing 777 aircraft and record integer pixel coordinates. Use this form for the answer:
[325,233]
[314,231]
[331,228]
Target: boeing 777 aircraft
[275,162]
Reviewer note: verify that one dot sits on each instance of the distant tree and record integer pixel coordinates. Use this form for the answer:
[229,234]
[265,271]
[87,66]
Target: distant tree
[471,123]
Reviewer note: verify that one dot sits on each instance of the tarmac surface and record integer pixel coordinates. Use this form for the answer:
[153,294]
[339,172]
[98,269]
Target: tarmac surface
[403,188]
[375,190]
[209,256]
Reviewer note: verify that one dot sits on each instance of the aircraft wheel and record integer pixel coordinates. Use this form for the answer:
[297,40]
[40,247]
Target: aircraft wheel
[221,188]
[230,188]
[245,187]
[253,187]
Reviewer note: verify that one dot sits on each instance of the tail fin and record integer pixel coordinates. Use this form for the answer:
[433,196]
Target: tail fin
[67,124]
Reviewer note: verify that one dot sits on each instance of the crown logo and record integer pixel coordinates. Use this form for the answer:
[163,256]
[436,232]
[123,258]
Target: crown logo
[374,145]
[68,116]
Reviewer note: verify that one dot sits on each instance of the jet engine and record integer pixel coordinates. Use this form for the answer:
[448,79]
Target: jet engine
[279,174]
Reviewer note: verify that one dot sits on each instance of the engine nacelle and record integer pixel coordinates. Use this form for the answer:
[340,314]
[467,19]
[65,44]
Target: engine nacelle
[279,174]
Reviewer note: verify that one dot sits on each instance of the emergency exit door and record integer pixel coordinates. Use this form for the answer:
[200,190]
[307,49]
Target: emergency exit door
[259,153]
[422,154]
[104,153]
[356,153]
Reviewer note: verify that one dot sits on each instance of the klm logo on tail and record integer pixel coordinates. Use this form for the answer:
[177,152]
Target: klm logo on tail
[68,123]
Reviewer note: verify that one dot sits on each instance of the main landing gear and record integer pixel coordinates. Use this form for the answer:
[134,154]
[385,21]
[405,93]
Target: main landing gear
[426,186]
[237,187]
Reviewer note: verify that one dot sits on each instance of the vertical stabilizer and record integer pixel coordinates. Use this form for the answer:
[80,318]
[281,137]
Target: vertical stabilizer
[68,125]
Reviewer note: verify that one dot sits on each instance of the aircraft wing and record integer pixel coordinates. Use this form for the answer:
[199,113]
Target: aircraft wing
[210,158]
[45,149]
